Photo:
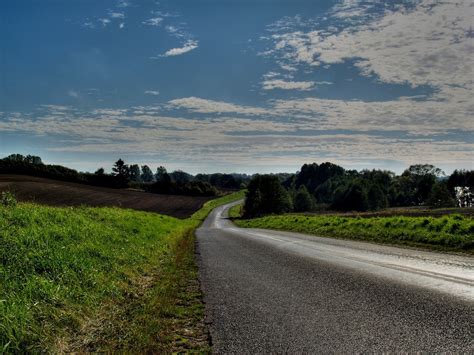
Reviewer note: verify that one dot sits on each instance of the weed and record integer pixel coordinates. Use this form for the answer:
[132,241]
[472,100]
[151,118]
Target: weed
[8,199]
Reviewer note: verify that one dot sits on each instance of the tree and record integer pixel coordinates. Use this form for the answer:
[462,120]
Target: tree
[147,174]
[180,177]
[16,158]
[313,175]
[162,175]
[303,200]
[462,178]
[100,171]
[266,195]
[376,198]
[423,169]
[352,198]
[440,196]
[419,181]
[33,159]
[134,173]
[121,172]
[120,168]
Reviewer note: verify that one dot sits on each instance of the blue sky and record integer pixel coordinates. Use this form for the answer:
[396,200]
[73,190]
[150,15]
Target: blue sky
[238,85]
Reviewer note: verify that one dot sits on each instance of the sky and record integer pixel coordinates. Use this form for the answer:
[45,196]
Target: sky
[238,85]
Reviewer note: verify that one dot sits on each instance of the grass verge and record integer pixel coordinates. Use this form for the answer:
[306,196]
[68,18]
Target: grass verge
[449,233]
[99,279]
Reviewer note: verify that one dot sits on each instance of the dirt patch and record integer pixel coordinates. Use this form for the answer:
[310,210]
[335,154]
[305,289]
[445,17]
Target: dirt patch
[59,193]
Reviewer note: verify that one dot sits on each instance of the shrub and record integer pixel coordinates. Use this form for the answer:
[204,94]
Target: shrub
[8,199]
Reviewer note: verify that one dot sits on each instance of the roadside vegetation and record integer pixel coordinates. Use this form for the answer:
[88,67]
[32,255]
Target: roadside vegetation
[87,279]
[451,232]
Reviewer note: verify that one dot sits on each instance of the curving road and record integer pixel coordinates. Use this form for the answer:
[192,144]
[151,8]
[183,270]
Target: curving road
[279,292]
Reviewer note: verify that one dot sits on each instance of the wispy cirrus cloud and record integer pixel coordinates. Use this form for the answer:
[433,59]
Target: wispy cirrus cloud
[152,92]
[188,46]
[116,15]
[154,21]
[199,105]
[112,15]
[287,85]
[158,20]
[73,93]
[104,21]
[123,3]
[250,141]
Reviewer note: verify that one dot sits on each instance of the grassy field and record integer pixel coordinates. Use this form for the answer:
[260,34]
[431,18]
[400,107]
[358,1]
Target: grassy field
[99,279]
[452,232]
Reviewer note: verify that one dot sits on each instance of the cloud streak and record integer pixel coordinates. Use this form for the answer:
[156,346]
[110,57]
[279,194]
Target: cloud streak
[287,85]
[187,47]
[214,140]
[152,92]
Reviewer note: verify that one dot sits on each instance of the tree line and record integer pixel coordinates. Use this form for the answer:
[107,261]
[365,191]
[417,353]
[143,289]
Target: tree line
[329,186]
[128,175]
[315,186]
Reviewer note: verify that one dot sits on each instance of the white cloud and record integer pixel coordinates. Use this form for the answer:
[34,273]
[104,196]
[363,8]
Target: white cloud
[288,67]
[171,29]
[73,94]
[104,21]
[88,24]
[116,15]
[187,47]
[426,44]
[287,85]
[123,3]
[155,21]
[152,92]
[195,104]
[421,43]
[271,75]
[252,142]
[122,25]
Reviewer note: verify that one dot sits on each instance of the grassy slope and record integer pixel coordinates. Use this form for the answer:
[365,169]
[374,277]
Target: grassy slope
[88,279]
[454,232]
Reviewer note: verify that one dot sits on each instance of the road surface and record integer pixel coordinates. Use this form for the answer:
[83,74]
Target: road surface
[279,292]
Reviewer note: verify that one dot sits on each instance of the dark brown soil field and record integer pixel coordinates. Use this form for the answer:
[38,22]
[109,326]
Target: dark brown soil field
[59,193]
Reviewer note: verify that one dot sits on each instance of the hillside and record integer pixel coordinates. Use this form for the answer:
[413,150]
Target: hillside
[59,193]
[102,279]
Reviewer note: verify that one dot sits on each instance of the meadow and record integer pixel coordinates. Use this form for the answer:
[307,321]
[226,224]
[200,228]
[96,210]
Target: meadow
[99,279]
[453,232]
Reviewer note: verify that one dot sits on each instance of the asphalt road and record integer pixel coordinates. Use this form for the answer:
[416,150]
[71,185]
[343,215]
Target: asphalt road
[278,292]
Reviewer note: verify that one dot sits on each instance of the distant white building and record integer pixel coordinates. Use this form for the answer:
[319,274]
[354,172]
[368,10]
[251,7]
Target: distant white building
[464,196]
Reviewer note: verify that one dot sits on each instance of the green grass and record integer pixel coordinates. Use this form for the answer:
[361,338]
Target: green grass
[453,232]
[210,205]
[236,211]
[99,279]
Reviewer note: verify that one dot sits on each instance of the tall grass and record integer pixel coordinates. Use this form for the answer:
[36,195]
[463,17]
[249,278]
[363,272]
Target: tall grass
[96,279]
[453,232]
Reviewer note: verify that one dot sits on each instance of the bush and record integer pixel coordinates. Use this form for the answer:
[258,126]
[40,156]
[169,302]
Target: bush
[8,199]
